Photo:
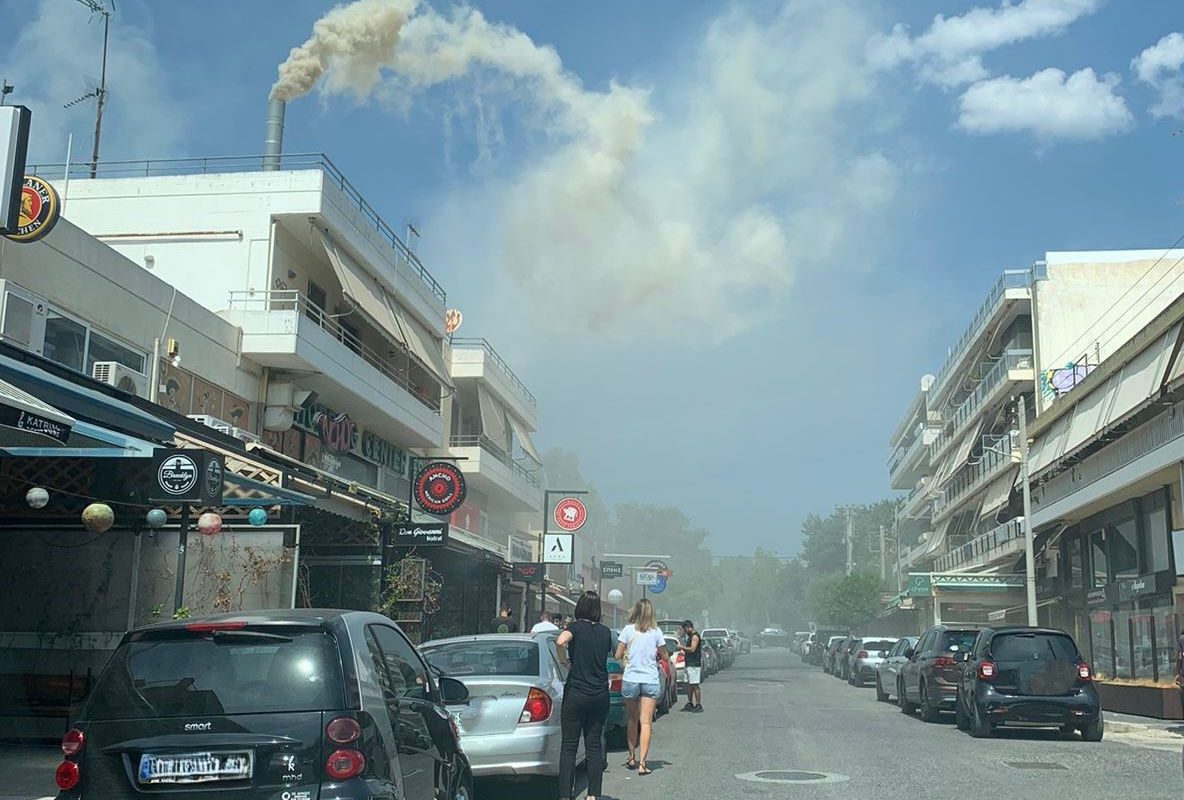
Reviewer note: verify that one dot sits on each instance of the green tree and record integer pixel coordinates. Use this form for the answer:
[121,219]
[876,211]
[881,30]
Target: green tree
[849,601]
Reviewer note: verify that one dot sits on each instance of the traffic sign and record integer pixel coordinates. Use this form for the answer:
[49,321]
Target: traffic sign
[558,548]
[659,586]
[570,514]
[660,567]
[611,569]
[647,577]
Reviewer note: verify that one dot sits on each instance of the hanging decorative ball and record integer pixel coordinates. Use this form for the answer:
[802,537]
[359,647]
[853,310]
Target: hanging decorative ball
[209,523]
[615,596]
[257,517]
[156,518]
[98,517]
[37,497]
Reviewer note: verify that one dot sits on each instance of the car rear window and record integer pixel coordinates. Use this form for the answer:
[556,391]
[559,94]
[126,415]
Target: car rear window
[227,672]
[878,644]
[1033,647]
[954,641]
[484,658]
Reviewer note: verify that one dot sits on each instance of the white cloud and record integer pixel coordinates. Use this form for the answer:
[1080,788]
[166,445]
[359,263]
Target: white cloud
[56,59]
[683,208]
[1162,67]
[1047,105]
[949,52]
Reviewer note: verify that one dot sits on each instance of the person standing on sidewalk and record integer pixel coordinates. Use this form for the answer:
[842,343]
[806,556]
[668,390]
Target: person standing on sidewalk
[693,654]
[585,695]
[503,622]
[544,624]
[643,642]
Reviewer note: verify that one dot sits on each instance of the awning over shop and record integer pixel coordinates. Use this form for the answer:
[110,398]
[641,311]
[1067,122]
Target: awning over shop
[23,412]
[83,402]
[264,494]
[561,598]
[89,441]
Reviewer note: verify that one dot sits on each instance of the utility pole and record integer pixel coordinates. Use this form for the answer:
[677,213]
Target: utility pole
[883,568]
[896,539]
[1029,546]
[850,544]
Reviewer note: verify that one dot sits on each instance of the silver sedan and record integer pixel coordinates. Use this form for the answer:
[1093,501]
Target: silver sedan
[510,723]
[888,670]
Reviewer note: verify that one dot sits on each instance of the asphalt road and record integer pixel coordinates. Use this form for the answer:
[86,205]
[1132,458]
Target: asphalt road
[770,712]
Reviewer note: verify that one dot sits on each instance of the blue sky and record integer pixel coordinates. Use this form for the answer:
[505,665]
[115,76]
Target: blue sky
[720,243]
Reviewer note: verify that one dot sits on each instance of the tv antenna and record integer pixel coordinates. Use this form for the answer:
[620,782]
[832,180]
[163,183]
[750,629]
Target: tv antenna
[97,92]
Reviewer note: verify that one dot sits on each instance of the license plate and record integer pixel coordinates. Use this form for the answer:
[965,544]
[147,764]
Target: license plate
[196,767]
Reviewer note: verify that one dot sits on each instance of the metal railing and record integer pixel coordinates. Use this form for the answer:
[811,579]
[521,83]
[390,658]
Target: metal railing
[292,301]
[212,165]
[996,454]
[982,548]
[968,409]
[902,451]
[1010,279]
[491,447]
[501,363]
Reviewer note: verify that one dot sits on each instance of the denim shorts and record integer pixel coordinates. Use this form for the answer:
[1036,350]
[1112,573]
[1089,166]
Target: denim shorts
[632,691]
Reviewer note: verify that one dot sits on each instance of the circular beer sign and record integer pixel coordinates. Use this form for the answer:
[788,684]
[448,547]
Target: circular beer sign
[440,488]
[177,475]
[40,210]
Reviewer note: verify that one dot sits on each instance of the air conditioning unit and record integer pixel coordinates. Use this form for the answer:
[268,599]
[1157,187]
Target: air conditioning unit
[122,377]
[225,427]
[22,316]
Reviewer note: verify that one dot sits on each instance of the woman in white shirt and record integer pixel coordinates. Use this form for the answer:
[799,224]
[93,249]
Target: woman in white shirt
[641,644]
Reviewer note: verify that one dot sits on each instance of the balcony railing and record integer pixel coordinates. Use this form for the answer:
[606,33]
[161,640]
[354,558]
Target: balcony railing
[1010,279]
[902,451]
[223,164]
[496,358]
[996,454]
[981,549]
[968,409]
[394,368]
[491,447]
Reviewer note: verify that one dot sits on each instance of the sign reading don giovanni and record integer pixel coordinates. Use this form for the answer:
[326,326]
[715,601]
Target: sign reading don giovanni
[428,534]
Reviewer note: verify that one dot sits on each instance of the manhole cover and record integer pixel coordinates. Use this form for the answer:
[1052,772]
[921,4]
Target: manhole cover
[1033,765]
[792,776]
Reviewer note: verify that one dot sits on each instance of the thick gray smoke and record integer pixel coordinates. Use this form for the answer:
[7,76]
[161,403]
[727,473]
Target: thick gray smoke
[693,219]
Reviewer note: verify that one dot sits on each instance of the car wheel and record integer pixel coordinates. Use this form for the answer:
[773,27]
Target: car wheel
[1094,731]
[464,787]
[881,695]
[960,714]
[929,712]
[980,726]
[902,698]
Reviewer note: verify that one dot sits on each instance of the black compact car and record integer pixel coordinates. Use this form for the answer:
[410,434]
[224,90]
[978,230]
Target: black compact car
[300,703]
[1030,677]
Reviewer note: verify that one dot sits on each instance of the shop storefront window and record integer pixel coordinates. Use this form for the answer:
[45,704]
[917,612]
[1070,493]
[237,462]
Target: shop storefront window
[1098,558]
[1099,632]
[1122,644]
[1074,565]
[1144,655]
[65,340]
[1124,550]
[1155,529]
[1166,632]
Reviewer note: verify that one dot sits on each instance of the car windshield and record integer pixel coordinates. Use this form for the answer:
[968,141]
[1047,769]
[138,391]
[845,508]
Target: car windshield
[483,657]
[1033,647]
[186,676]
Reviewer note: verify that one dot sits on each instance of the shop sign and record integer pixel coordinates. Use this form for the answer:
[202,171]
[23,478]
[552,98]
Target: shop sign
[611,569]
[40,210]
[439,488]
[1096,597]
[336,430]
[527,572]
[1144,585]
[431,534]
[186,476]
[383,453]
[919,586]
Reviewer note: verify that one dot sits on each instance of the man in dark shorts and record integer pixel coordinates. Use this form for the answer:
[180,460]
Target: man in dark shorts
[693,654]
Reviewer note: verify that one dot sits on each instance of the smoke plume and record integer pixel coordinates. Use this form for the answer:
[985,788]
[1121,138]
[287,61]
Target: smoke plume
[687,211]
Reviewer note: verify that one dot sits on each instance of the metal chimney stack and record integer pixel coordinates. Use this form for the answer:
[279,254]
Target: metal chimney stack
[273,142]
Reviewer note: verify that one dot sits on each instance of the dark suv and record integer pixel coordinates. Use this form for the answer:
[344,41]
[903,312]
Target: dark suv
[929,679]
[1030,677]
[300,703]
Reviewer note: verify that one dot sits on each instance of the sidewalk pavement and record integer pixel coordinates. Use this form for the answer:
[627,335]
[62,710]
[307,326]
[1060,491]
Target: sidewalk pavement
[1129,723]
[27,771]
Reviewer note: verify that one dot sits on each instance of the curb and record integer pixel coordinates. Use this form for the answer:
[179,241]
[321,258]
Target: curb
[1114,726]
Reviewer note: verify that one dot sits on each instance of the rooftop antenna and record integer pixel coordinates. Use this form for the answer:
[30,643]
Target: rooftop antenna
[412,235]
[5,90]
[98,93]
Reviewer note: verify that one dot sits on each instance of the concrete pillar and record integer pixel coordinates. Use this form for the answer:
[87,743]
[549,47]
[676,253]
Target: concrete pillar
[936,610]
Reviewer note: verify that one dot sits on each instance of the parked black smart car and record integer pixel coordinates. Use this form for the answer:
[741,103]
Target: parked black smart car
[1030,677]
[300,703]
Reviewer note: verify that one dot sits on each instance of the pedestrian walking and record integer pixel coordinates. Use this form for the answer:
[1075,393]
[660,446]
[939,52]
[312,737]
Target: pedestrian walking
[1180,663]
[641,644]
[585,695]
[693,659]
[545,623]
[503,622]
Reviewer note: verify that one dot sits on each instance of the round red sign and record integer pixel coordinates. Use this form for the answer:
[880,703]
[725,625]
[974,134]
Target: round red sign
[570,514]
[440,488]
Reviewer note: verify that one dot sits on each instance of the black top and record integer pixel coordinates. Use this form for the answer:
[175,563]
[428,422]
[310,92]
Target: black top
[503,625]
[694,658]
[588,652]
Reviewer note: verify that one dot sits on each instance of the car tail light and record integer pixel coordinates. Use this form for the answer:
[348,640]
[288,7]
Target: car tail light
[861,654]
[207,627]
[943,662]
[343,730]
[73,742]
[344,764]
[66,775]
[1083,672]
[537,708]
[987,671]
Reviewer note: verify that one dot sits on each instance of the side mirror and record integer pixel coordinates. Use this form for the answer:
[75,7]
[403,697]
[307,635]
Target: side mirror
[910,653]
[453,691]
[882,654]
